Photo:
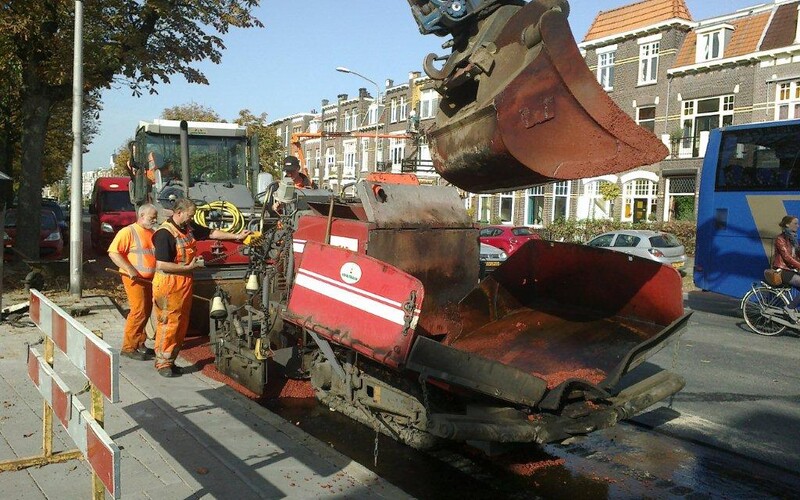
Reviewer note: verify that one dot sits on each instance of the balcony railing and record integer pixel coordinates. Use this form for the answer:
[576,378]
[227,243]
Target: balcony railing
[417,167]
[688,147]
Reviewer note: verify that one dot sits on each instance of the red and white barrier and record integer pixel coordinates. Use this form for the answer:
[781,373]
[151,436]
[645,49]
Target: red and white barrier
[92,440]
[90,354]
[50,385]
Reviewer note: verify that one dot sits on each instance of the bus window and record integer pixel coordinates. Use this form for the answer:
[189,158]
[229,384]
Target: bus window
[764,159]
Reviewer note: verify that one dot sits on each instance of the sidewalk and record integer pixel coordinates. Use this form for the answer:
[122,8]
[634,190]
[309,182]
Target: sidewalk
[186,437]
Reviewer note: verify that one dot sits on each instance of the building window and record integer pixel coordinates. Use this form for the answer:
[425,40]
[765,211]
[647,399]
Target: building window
[679,202]
[560,200]
[403,108]
[397,149]
[429,102]
[605,69]
[646,117]
[485,208]
[330,161]
[393,115]
[639,200]
[648,62]
[349,170]
[507,208]
[354,118]
[330,125]
[592,205]
[787,101]
[372,114]
[534,210]
[703,115]
[364,154]
[317,162]
[348,126]
[711,46]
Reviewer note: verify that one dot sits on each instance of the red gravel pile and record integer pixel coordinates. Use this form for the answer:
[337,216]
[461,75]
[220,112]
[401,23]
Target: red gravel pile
[197,351]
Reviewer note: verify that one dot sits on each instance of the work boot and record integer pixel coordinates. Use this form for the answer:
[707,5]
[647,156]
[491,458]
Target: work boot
[169,372]
[148,351]
[138,355]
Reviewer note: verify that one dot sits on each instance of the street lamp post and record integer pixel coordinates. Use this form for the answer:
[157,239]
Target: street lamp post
[342,69]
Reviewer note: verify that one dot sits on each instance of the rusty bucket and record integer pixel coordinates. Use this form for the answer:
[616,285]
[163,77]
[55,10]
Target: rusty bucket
[520,107]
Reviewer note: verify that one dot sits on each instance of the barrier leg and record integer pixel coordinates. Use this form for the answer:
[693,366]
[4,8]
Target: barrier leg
[98,413]
[47,413]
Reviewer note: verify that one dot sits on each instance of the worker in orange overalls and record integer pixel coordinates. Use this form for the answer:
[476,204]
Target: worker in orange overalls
[291,169]
[132,251]
[175,252]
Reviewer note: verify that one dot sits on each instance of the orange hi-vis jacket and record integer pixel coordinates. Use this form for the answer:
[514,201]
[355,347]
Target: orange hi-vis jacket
[185,244]
[172,299]
[135,243]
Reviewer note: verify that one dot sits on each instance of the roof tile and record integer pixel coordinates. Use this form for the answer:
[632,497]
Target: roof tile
[782,29]
[744,40]
[637,15]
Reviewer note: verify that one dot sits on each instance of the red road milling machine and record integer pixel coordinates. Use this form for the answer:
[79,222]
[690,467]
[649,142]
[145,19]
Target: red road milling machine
[376,297]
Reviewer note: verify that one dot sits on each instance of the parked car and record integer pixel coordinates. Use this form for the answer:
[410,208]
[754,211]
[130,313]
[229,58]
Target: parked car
[507,238]
[61,216]
[653,245]
[110,209]
[51,243]
[490,258]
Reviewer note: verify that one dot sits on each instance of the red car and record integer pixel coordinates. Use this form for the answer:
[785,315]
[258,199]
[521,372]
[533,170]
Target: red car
[507,238]
[51,244]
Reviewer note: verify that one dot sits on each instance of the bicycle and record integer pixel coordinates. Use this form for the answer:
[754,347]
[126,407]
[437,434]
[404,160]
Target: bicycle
[763,308]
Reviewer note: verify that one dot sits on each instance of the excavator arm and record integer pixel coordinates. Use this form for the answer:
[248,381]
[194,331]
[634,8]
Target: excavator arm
[519,107]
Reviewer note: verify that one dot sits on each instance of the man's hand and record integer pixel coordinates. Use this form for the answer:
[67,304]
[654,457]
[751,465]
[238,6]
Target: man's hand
[242,235]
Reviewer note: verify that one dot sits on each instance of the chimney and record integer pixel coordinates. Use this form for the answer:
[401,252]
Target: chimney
[325,102]
[389,83]
[342,97]
[413,75]
[362,93]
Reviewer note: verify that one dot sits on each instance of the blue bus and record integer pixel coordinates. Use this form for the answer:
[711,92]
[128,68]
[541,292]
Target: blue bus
[750,180]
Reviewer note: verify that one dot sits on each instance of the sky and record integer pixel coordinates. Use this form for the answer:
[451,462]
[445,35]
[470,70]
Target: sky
[289,66]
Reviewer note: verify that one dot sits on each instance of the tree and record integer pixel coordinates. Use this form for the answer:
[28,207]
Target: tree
[142,43]
[270,150]
[121,157]
[191,112]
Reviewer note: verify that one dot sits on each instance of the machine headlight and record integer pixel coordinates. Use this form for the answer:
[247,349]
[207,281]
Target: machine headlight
[106,227]
[503,256]
[53,236]
[6,237]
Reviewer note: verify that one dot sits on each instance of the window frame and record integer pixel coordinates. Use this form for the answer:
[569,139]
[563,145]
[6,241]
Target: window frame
[649,55]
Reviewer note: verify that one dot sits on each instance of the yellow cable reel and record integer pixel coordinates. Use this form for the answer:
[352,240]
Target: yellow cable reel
[229,211]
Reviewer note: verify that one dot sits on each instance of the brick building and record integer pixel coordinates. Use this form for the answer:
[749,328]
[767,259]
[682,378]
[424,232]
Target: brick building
[675,76]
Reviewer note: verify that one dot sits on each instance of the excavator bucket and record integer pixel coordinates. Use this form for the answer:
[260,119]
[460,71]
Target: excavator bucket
[520,107]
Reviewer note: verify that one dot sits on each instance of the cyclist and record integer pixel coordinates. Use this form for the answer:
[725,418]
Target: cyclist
[785,259]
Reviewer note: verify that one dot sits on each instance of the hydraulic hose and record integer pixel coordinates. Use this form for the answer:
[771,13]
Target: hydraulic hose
[229,212]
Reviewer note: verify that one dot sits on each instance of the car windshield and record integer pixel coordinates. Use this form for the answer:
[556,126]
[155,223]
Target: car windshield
[49,221]
[664,240]
[116,201]
[11,218]
[521,231]
[55,208]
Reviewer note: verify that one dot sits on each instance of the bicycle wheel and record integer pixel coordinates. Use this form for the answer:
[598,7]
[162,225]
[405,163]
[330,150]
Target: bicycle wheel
[754,302]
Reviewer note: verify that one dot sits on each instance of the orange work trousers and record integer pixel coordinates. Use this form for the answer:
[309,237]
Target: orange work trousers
[172,301]
[140,297]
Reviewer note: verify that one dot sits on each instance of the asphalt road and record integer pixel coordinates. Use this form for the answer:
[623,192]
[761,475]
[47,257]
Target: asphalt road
[742,389]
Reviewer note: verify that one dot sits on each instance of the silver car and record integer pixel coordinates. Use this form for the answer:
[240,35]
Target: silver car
[653,245]
[490,258]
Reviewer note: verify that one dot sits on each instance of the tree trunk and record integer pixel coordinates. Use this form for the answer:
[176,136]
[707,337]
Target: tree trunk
[36,104]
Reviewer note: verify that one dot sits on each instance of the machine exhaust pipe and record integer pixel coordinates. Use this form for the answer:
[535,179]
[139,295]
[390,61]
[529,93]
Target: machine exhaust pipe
[185,157]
